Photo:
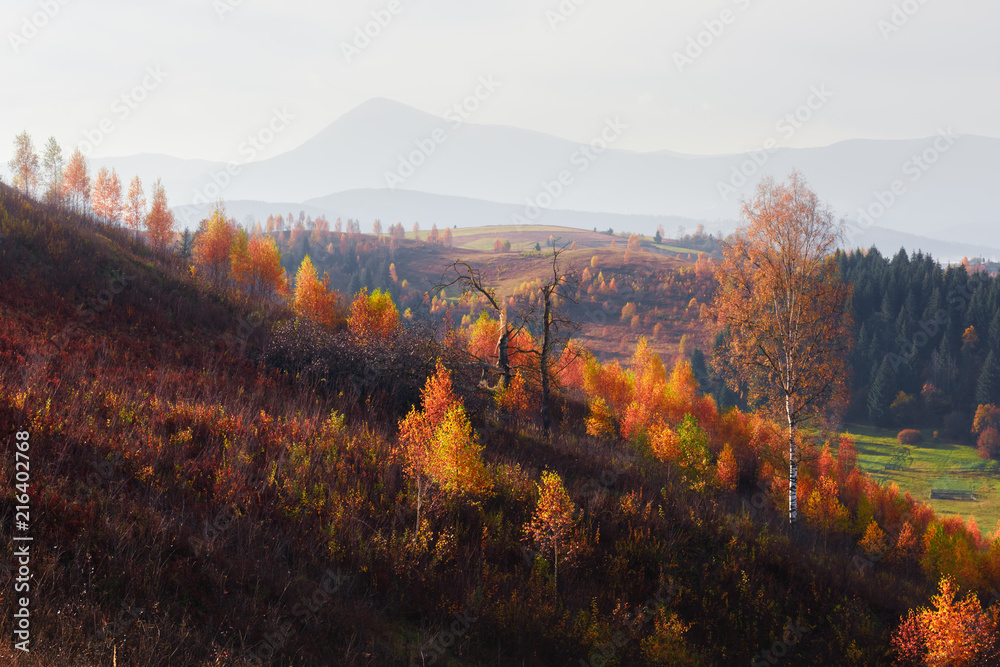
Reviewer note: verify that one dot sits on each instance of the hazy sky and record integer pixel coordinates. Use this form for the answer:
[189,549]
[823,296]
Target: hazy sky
[226,65]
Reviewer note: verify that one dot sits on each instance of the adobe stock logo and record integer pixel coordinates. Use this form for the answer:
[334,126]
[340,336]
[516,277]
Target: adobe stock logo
[915,167]
[425,147]
[122,107]
[30,25]
[786,126]
[365,35]
[699,43]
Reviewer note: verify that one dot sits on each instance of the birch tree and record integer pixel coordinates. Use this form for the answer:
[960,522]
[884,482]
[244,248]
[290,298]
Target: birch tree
[783,302]
[24,164]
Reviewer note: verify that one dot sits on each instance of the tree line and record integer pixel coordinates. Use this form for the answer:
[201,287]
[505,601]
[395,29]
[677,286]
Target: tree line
[926,340]
[68,184]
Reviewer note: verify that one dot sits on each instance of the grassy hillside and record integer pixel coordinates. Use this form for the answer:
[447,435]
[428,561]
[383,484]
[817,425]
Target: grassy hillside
[660,286]
[214,483]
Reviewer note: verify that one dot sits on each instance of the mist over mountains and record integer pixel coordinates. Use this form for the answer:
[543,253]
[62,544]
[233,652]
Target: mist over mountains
[390,161]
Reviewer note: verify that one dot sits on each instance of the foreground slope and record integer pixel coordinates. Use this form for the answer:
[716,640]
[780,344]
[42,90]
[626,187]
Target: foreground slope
[191,506]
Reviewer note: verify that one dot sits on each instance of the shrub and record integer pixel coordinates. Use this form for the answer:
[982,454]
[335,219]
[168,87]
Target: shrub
[909,436]
[989,443]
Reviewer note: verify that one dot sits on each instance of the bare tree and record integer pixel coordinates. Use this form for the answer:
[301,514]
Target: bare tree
[471,280]
[556,327]
[551,323]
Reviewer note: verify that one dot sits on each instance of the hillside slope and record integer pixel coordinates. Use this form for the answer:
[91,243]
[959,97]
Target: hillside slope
[193,506]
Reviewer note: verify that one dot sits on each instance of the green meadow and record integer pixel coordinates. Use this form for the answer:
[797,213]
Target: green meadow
[938,464]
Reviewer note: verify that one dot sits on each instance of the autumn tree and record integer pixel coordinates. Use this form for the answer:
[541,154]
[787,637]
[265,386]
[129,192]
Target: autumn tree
[782,301]
[106,198]
[516,401]
[373,315]
[259,270]
[313,298]
[727,469]
[213,248]
[446,237]
[76,182]
[693,456]
[823,510]
[135,206]
[455,460]
[52,171]
[439,444]
[320,237]
[552,525]
[24,164]
[956,633]
[160,219]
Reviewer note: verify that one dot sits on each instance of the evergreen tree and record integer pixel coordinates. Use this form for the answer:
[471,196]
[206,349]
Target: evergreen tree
[994,333]
[881,393]
[354,286]
[699,367]
[185,244]
[988,387]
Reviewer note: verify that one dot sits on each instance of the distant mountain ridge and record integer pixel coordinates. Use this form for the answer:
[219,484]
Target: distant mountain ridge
[947,185]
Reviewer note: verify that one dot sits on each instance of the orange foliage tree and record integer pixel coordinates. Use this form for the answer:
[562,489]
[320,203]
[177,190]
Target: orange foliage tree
[823,509]
[313,298]
[76,182]
[727,469]
[135,206]
[439,443]
[986,425]
[24,164]
[106,198]
[516,401]
[160,219]
[373,315]
[649,392]
[552,525]
[782,298]
[956,633]
[213,248]
[259,270]
[489,339]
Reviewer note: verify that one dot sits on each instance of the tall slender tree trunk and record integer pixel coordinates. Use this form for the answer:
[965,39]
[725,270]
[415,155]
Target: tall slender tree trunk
[793,467]
[555,563]
[420,497]
[504,345]
[544,361]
